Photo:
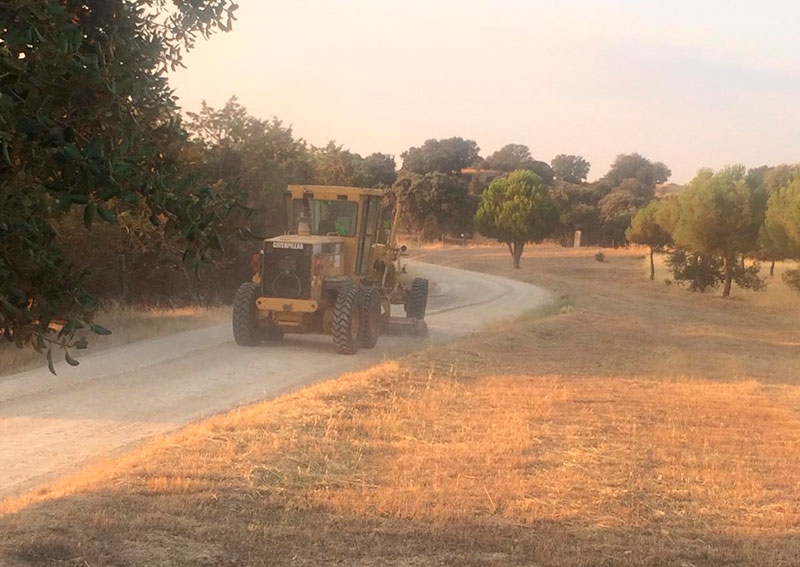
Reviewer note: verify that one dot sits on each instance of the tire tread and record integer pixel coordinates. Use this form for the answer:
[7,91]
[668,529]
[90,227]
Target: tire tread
[245,330]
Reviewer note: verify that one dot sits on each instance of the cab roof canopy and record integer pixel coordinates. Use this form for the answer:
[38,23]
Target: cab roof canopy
[332,191]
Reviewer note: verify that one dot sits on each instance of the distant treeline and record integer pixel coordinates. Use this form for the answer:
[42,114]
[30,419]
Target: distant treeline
[720,221]
[440,182]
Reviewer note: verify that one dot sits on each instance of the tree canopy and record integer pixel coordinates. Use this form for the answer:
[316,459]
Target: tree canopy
[515,210]
[436,204]
[714,216]
[570,169]
[635,166]
[450,155]
[378,170]
[261,156]
[512,157]
[780,234]
[646,230]
[88,121]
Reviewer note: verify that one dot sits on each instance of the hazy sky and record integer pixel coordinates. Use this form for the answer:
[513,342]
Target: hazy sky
[702,83]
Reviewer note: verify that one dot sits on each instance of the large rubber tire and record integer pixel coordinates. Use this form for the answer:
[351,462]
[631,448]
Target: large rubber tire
[245,330]
[369,301]
[346,322]
[417,299]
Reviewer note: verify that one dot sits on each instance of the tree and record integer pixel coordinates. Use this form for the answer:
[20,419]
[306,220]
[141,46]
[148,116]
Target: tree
[436,204]
[445,156]
[261,156]
[379,170]
[629,185]
[714,216]
[509,158]
[645,230]
[764,182]
[634,166]
[578,207]
[616,211]
[336,166]
[512,157]
[515,210]
[570,169]
[780,233]
[87,121]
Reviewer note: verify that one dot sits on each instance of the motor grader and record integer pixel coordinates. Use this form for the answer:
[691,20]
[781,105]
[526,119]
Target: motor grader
[337,270]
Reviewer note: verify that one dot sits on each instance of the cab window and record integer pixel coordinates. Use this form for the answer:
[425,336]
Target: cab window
[328,217]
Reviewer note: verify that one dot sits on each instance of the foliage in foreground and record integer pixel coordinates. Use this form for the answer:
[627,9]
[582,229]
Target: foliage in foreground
[88,122]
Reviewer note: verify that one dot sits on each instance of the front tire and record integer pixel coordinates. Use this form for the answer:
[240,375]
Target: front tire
[245,330]
[346,322]
[369,301]
[417,302]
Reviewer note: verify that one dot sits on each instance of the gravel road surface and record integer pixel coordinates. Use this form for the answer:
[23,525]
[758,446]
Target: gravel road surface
[53,425]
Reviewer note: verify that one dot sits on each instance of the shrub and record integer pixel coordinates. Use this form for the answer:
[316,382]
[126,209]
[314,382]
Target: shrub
[697,271]
[707,272]
[600,257]
[792,279]
[749,278]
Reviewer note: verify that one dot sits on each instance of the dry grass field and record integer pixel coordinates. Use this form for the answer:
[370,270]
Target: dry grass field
[633,424]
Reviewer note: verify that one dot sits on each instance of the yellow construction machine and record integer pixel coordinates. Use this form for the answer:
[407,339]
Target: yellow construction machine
[337,270]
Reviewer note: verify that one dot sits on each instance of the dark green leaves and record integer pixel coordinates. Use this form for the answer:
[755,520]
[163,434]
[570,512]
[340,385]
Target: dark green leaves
[6,153]
[71,361]
[50,361]
[517,208]
[89,214]
[87,120]
[99,329]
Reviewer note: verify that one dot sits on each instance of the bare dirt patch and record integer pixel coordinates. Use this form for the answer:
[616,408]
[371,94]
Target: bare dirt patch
[636,424]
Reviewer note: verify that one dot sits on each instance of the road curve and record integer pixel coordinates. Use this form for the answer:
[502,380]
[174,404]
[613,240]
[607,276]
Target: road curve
[51,426]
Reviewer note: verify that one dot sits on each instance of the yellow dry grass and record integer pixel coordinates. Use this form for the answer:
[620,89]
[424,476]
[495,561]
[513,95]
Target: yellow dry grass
[641,426]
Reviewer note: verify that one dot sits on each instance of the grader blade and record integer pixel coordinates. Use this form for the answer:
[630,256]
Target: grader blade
[408,326]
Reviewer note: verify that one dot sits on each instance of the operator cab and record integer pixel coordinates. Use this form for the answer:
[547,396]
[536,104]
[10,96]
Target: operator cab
[351,213]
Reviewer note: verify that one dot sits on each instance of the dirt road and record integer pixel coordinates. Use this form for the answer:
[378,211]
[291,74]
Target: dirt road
[52,425]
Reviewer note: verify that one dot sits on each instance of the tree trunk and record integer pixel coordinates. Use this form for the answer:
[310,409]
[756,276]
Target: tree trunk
[652,265]
[727,263]
[772,269]
[516,253]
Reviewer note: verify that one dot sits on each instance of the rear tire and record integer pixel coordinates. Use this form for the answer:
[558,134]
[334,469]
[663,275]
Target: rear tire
[346,322]
[417,302]
[369,301]
[245,330]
